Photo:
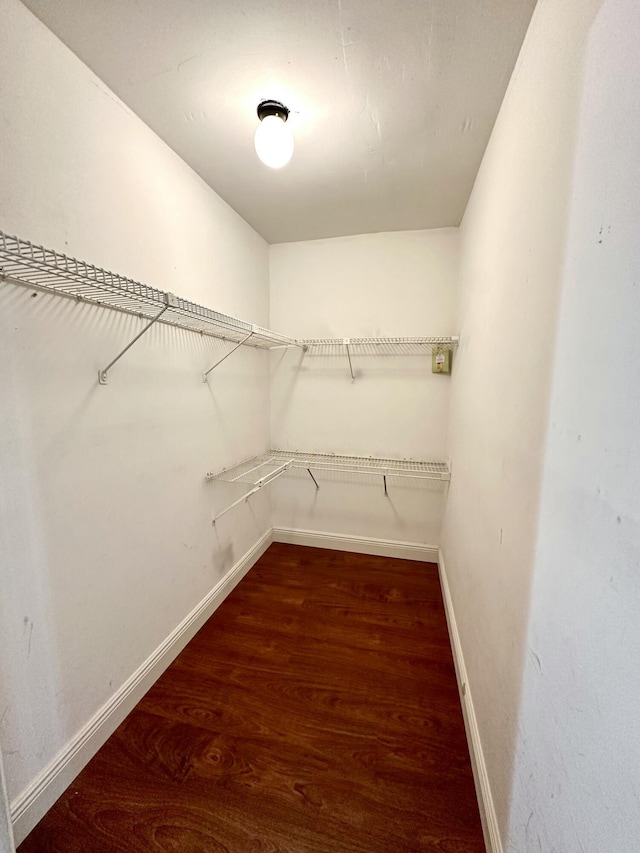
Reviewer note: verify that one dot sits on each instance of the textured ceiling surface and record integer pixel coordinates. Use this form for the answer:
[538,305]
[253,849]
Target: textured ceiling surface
[392,101]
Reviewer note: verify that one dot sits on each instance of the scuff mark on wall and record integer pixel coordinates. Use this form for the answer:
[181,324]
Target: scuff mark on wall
[343,44]
[537,660]
[526,829]
[188,59]
[27,623]
[376,123]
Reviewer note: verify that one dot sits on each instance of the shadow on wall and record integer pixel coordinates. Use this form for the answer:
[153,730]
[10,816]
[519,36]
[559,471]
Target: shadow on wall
[514,242]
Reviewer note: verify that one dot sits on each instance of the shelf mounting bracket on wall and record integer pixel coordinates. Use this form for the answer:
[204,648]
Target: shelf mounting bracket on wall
[313,478]
[226,355]
[170,302]
[263,481]
[347,341]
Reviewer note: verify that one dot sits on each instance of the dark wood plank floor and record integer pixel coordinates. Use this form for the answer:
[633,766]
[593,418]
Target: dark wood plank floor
[315,712]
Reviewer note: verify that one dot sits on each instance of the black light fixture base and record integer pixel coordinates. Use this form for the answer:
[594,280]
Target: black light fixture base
[272,108]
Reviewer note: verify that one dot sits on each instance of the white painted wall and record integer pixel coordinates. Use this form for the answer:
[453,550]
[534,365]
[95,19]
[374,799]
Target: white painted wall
[388,284]
[105,516]
[579,705]
[541,536]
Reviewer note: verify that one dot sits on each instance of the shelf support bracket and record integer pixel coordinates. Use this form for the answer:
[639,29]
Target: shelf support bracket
[226,355]
[263,482]
[313,478]
[346,343]
[384,478]
[170,302]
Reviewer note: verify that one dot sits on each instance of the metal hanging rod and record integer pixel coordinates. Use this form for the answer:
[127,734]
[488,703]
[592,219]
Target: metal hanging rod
[259,471]
[26,263]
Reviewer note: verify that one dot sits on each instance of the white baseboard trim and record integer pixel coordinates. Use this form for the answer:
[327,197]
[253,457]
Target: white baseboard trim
[356,544]
[7,843]
[33,803]
[488,815]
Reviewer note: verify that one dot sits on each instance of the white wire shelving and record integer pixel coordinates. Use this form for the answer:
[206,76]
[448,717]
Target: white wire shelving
[26,263]
[259,471]
[392,344]
[351,347]
[32,265]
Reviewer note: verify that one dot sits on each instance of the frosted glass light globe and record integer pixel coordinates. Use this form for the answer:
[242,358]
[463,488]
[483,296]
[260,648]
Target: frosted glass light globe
[273,142]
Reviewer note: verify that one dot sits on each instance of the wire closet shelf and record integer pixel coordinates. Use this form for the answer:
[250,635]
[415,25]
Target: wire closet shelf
[27,263]
[383,346]
[395,345]
[30,264]
[259,471]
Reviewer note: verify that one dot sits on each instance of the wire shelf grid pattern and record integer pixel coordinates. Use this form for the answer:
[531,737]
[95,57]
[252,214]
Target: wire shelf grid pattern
[389,344]
[255,470]
[30,264]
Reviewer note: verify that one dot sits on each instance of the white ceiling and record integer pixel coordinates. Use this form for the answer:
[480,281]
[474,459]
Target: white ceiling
[392,101]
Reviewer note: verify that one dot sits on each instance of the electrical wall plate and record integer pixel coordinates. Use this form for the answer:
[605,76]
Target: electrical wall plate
[441,360]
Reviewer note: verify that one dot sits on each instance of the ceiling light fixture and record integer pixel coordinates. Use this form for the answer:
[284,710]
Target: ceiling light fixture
[273,139]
